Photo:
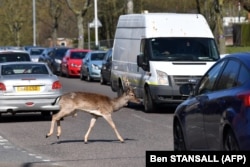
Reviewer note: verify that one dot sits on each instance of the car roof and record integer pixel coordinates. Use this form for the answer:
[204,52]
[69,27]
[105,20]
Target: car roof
[21,62]
[12,51]
[243,56]
[98,51]
[78,49]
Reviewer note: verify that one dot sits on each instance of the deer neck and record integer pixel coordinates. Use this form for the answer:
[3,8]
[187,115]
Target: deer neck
[119,102]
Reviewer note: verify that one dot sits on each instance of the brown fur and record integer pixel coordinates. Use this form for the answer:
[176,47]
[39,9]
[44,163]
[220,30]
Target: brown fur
[96,104]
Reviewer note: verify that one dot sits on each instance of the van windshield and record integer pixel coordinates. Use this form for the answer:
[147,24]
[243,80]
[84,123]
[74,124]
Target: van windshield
[183,49]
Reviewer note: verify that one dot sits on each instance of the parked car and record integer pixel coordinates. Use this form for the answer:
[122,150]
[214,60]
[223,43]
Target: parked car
[106,68]
[45,57]
[91,65]
[54,58]
[72,62]
[35,52]
[14,55]
[28,87]
[216,116]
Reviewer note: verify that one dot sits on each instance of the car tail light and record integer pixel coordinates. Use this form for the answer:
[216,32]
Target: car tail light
[56,85]
[245,97]
[2,87]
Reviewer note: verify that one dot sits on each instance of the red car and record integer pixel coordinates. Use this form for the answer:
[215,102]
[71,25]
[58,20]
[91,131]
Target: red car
[72,62]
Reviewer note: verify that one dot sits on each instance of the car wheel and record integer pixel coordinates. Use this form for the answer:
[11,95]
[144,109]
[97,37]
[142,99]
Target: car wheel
[89,78]
[81,75]
[179,142]
[46,113]
[149,105]
[230,142]
[61,73]
[102,81]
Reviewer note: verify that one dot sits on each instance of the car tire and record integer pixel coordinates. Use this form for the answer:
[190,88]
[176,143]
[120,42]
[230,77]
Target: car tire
[120,90]
[81,76]
[179,142]
[89,78]
[149,105]
[230,142]
[102,81]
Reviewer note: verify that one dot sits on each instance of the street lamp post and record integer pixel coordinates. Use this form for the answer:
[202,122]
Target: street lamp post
[96,25]
[34,22]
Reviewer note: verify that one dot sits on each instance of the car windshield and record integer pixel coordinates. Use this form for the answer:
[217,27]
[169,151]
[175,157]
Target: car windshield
[7,57]
[36,51]
[97,56]
[13,69]
[183,49]
[78,55]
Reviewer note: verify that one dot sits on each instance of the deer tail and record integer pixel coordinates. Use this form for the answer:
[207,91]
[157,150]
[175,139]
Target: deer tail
[56,100]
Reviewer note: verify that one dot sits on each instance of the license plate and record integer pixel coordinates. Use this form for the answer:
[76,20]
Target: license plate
[28,88]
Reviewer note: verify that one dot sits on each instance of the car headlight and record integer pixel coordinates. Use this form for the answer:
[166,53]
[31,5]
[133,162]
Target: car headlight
[58,61]
[94,66]
[162,78]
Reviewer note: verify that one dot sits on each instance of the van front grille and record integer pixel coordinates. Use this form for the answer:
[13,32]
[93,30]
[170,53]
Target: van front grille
[179,80]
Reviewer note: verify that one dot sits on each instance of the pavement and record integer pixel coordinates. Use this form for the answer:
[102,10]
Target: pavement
[13,156]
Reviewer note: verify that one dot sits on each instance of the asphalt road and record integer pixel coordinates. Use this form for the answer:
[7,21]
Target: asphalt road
[23,142]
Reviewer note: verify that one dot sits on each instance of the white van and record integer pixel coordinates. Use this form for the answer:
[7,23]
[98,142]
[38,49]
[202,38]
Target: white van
[157,52]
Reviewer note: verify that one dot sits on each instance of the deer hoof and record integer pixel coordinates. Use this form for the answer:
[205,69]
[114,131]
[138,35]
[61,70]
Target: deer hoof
[47,136]
[58,137]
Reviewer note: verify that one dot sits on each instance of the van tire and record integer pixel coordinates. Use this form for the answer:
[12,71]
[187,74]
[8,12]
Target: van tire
[149,105]
[120,90]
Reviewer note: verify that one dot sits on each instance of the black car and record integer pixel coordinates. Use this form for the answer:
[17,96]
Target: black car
[216,116]
[106,68]
[14,55]
[53,57]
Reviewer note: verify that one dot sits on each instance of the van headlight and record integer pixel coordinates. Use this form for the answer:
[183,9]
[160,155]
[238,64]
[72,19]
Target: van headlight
[162,78]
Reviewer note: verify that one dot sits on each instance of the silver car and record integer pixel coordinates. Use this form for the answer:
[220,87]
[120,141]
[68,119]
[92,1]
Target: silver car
[28,87]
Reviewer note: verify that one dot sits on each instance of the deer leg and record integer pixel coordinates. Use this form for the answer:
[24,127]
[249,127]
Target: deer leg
[108,118]
[59,130]
[51,128]
[56,117]
[91,125]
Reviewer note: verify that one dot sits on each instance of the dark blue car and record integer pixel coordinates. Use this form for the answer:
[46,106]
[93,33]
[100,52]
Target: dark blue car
[216,116]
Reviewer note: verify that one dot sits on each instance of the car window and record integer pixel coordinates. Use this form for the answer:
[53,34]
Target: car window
[244,75]
[24,69]
[228,77]
[78,55]
[97,56]
[9,57]
[207,82]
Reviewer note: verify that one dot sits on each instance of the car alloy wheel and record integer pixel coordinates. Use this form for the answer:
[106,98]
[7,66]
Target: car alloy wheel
[179,143]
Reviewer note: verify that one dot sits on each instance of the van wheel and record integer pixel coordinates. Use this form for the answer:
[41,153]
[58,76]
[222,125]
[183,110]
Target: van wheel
[120,91]
[149,105]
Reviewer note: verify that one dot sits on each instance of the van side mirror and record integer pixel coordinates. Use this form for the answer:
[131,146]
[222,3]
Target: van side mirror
[141,63]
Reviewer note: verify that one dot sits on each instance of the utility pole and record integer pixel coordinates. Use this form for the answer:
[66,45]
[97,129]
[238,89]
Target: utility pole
[34,22]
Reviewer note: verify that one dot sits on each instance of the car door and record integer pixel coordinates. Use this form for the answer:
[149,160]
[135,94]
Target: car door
[219,101]
[85,63]
[195,130]
[107,65]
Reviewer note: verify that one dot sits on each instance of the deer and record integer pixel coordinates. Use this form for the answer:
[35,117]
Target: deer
[97,105]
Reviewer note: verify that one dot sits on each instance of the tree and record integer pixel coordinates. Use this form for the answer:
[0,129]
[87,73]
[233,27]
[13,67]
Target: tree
[55,11]
[79,14]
